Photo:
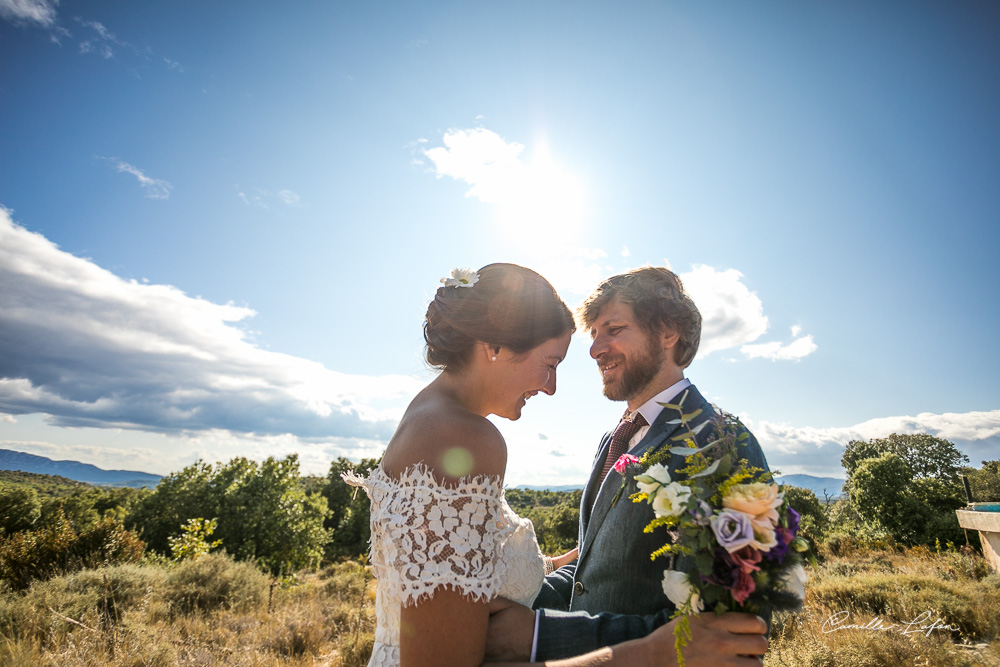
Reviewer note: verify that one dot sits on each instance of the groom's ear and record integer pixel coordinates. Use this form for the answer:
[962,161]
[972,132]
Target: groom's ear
[669,338]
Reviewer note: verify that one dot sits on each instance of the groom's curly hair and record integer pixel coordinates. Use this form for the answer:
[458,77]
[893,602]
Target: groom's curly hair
[659,302]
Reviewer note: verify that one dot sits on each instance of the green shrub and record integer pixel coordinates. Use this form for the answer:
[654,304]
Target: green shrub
[96,598]
[346,580]
[216,581]
[193,541]
[30,555]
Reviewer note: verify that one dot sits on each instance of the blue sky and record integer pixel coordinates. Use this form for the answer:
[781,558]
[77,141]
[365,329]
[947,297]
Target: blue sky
[222,223]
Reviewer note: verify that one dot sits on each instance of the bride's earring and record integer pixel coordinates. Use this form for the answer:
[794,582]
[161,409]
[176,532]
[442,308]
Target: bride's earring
[493,358]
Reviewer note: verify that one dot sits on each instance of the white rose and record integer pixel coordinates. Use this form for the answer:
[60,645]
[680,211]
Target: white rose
[794,581]
[654,477]
[671,499]
[677,587]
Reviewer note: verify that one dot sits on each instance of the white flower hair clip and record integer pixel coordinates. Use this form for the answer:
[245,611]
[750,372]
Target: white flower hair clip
[461,278]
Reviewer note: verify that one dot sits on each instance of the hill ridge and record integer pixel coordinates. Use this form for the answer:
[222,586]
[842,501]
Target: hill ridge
[75,470]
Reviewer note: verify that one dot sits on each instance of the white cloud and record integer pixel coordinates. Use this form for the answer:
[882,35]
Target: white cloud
[102,40]
[775,351]
[288,197]
[481,158]
[818,450]
[91,349]
[573,270]
[153,187]
[731,314]
[537,195]
[267,200]
[41,12]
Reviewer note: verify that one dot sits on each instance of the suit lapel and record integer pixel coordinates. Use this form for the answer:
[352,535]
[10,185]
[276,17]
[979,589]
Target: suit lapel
[593,485]
[657,436]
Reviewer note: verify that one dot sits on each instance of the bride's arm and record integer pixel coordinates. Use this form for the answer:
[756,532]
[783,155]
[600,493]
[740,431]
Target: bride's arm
[448,627]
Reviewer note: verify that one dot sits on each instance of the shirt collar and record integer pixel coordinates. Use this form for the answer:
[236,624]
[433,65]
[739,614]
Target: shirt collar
[651,409]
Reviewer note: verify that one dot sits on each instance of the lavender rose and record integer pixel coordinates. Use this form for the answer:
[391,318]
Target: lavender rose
[733,529]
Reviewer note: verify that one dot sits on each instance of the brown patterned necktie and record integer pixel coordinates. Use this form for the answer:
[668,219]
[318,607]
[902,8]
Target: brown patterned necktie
[619,440]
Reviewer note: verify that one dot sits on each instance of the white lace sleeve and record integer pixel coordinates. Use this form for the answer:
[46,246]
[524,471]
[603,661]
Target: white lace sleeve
[426,535]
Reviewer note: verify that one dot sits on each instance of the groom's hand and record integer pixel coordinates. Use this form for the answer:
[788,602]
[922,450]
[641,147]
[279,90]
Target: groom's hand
[732,639]
[511,632]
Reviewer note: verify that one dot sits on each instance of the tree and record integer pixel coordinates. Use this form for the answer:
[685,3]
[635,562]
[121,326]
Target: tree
[897,494]
[178,497]
[814,521]
[20,508]
[927,457]
[984,483]
[350,514]
[264,515]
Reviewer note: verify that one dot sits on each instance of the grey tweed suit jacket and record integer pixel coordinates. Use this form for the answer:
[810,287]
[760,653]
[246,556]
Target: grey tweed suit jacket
[614,592]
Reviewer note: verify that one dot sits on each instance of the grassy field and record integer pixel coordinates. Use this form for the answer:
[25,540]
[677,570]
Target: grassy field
[216,612]
[893,608]
[208,612]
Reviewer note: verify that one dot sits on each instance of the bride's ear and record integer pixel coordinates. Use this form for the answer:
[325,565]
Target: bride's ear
[492,351]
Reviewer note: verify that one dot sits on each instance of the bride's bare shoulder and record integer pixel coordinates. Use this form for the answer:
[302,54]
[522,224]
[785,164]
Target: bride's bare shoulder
[451,441]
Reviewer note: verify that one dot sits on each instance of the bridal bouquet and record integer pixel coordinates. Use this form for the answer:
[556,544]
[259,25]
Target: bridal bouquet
[728,520]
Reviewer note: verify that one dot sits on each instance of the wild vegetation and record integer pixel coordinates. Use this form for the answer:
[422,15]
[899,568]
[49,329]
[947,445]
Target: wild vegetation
[250,563]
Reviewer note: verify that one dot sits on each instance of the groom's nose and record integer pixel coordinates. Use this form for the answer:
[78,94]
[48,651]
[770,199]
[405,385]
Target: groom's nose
[598,347]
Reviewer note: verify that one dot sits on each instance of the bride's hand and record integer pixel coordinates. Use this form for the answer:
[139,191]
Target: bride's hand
[565,559]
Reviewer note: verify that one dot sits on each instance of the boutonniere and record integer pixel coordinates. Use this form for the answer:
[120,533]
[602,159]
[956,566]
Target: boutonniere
[621,467]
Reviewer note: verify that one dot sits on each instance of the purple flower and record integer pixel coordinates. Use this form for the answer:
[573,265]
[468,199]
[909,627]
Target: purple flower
[780,550]
[793,522]
[784,537]
[734,571]
[732,529]
[724,571]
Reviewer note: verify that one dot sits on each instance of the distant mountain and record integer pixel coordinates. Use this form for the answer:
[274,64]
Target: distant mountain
[817,485]
[81,472]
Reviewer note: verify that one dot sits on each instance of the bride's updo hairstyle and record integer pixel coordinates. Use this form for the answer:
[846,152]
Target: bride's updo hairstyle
[509,305]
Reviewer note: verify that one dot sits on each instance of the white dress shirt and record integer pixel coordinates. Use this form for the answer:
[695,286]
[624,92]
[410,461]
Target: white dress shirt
[651,409]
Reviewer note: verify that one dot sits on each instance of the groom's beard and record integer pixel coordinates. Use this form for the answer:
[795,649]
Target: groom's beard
[636,373]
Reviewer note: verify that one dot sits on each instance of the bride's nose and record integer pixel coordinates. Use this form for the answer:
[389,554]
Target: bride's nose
[550,383]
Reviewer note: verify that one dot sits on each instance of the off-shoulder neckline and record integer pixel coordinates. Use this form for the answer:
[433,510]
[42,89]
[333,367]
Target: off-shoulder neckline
[420,475]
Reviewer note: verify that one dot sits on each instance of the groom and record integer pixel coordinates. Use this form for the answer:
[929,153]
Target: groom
[645,332]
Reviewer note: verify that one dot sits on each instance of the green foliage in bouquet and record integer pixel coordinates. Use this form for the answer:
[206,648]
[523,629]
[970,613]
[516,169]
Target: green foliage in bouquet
[731,537]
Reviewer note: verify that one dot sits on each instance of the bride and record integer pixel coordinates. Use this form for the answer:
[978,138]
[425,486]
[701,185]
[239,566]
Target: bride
[444,540]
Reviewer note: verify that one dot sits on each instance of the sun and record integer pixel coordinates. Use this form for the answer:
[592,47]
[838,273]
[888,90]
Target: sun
[543,200]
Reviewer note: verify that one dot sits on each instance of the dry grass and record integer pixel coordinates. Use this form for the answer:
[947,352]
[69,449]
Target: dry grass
[151,616]
[216,613]
[880,594]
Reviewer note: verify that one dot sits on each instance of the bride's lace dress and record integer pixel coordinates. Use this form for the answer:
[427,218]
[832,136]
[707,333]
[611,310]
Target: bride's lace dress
[426,535]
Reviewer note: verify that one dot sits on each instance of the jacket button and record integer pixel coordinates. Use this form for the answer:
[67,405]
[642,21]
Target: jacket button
[578,588]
